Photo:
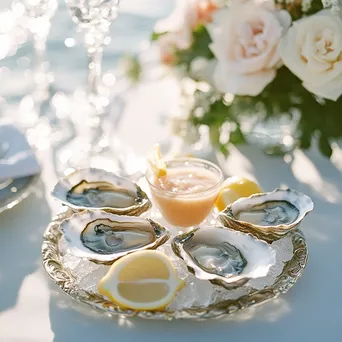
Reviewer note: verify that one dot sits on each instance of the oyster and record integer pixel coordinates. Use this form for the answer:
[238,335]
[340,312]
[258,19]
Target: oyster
[224,256]
[98,189]
[268,216]
[104,237]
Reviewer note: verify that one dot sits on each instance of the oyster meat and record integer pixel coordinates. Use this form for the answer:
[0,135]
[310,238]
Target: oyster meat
[268,215]
[98,189]
[104,237]
[224,256]
[223,259]
[100,194]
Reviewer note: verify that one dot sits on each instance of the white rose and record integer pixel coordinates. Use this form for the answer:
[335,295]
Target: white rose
[245,38]
[312,50]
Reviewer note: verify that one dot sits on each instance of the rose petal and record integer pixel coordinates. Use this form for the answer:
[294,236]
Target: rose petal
[274,59]
[251,65]
[284,18]
[272,29]
[331,91]
[267,4]
[318,66]
[238,84]
[328,76]
[288,50]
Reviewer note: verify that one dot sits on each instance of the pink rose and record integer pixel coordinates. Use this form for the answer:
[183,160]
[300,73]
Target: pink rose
[245,38]
[187,15]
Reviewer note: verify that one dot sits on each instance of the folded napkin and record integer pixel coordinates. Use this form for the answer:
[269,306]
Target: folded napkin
[17,159]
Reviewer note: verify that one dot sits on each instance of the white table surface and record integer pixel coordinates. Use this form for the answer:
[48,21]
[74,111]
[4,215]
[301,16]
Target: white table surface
[32,308]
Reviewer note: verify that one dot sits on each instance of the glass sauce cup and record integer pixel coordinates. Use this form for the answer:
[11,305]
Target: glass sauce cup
[181,208]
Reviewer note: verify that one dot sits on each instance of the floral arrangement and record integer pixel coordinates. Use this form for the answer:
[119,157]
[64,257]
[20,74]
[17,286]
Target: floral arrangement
[259,58]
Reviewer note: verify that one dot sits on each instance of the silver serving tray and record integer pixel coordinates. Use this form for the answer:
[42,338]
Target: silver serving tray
[65,279]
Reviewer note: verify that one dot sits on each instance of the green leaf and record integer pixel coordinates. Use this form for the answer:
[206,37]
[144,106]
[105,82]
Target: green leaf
[284,95]
[216,115]
[296,10]
[305,140]
[155,35]
[214,133]
[132,67]
[236,137]
[198,48]
[324,146]
[224,150]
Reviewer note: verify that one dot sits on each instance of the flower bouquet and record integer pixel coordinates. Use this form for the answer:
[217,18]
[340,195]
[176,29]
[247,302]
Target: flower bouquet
[259,65]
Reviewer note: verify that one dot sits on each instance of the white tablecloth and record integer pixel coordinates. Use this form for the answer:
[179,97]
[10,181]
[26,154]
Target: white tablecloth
[32,308]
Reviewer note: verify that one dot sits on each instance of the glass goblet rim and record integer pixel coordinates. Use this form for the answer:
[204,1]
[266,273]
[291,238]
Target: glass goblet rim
[188,161]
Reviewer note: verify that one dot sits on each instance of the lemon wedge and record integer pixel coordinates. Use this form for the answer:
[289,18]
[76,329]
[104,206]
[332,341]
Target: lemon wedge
[144,280]
[156,162]
[234,188]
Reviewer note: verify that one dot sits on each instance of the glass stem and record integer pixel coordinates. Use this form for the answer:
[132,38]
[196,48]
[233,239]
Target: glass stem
[39,72]
[94,71]
[99,141]
[39,47]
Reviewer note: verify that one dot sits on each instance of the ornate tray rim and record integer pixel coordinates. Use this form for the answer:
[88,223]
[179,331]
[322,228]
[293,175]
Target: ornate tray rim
[64,278]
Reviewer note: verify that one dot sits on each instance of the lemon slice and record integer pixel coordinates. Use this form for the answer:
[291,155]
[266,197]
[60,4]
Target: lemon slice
[144,280]
[154,159]
[234,188]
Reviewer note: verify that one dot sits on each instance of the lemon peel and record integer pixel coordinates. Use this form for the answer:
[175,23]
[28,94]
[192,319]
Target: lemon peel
[234,188]
[156,162]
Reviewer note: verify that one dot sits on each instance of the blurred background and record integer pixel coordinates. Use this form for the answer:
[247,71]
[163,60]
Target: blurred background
[65,48]
[42,87]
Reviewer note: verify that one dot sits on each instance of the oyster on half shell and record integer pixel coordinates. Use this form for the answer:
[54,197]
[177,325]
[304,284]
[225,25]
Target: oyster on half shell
[98,189]
[224,256]
[104,237]
[268,216]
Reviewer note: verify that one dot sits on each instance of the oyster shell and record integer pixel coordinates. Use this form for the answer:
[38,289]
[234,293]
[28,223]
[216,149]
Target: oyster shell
[268,216]
[224,256]
[104,237]
[98,189]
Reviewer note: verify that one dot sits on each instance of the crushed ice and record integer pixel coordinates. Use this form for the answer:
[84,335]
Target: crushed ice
[196,293]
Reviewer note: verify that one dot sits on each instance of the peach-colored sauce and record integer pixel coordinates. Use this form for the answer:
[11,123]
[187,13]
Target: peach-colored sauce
[186,195]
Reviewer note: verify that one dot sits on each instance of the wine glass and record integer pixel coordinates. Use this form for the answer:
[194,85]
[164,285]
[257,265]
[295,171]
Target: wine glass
[36,16]
[93,112]
[90,108]
[93,18]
